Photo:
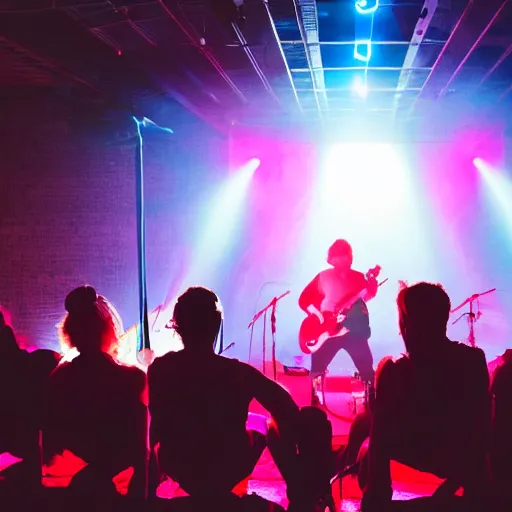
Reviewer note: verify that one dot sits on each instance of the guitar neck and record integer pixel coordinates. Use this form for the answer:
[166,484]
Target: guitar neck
[349,303]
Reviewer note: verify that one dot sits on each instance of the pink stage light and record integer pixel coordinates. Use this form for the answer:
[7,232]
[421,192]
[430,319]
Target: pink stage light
[478,163]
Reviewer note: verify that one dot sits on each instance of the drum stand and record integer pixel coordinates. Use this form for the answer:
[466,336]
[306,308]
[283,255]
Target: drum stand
[272,306]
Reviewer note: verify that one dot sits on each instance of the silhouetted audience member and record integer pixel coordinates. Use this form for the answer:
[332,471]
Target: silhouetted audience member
[199,404]
[432,409]
[97,407]
[16,436]
[501,448]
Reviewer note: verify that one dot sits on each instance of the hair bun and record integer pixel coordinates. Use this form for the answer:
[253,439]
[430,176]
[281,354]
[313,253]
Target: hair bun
[80,298]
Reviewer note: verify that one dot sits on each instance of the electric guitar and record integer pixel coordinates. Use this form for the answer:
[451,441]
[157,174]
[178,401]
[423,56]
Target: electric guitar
[314,333]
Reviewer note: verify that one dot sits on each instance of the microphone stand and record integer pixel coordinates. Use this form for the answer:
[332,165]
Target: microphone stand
[145,355]
[272,305]
[472,316]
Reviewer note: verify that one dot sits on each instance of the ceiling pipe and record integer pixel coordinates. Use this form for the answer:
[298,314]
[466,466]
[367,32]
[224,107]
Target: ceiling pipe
[473,47]
[206,53]
[281,50]
[254,62]
[499,62]
[505,93]
[474,15]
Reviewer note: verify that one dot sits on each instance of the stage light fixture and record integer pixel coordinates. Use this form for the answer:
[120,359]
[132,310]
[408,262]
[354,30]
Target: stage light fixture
[478,162]
[363,50]
[366,6]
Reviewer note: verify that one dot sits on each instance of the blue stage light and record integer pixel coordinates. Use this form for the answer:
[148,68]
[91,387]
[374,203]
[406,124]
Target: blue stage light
[366,6]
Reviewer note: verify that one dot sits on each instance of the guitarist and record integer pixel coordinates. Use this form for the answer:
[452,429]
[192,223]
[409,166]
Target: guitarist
[321,297]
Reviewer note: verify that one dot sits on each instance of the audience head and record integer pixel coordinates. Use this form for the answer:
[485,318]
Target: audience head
[197,318]
[340,255]
[380,366]
[91,324]
[423,312]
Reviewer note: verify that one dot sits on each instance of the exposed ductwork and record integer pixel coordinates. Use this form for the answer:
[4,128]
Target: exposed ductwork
[307,19]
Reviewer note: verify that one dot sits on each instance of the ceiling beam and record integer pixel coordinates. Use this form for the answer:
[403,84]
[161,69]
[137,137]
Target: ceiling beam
[427,13]
[362,68]
[468,33]
[374,43]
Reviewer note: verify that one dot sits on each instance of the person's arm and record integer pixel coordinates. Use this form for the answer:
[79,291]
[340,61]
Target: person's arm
[378,489]
[274,398]
[371,287]
[311,298]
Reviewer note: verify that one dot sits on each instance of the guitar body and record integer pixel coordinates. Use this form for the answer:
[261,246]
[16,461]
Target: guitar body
[313,333]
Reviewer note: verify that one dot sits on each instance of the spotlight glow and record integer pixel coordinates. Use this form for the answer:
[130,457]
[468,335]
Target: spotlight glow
[222,218]
[500,188]
[360,87]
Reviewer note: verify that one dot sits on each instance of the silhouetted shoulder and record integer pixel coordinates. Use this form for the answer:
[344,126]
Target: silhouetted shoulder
[467,353]
[244,367]
[135,376]
[164,361]
[44,361]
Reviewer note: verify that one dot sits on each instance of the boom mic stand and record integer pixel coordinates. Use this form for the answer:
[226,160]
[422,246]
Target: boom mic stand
[272,305]
[472,316]
[145,355]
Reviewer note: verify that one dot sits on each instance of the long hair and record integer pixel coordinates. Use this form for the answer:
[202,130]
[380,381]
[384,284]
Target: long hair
[91,323]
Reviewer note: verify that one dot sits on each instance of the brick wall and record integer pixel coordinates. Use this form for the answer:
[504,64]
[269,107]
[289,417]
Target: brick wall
[67,208]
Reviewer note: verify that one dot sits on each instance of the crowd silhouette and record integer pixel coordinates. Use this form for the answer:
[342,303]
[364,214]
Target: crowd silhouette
[435,409]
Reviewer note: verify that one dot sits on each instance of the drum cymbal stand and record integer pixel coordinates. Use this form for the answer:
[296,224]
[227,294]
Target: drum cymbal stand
[471,315]
[272,306]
